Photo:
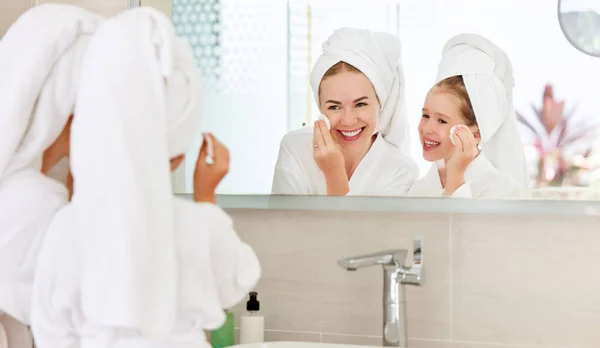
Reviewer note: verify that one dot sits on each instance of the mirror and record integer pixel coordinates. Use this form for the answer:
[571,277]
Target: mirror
[256,58]
[580,23]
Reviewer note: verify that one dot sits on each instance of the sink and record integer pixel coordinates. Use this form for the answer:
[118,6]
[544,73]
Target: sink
[298,345]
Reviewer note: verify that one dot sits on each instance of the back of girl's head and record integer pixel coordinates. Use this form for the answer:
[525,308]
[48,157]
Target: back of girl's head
[455,85]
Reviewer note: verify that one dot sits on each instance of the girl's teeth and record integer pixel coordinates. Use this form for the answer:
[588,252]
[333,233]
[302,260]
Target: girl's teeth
[431,143]
[351,134]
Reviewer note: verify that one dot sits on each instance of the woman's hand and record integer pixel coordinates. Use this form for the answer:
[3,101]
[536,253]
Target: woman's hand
[208,176]
[330,160]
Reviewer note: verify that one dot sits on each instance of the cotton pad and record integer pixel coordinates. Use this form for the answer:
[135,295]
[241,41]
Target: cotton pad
[324,118]
[452,131]
[210,154]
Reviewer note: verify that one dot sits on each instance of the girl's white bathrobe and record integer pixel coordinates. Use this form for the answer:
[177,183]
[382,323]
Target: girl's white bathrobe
[126,264]
[40,61]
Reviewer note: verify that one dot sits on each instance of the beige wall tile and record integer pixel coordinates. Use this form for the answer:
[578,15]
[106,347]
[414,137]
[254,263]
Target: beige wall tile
[526,280]
[303,288]
[10,10]
[284,336]
[165,6]
[287,336]
[353,339]
[102,7]
[451,344]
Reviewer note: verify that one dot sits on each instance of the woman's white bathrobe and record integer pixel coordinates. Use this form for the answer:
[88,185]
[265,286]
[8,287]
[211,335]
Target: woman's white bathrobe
[384,171]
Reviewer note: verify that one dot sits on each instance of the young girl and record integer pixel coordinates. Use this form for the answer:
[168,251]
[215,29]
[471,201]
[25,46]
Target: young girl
[358,84]
[468,127]
[40,58]
[125,263]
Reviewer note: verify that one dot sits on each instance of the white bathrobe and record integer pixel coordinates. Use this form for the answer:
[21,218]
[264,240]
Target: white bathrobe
[500,170]
[126,264]
[40,58]
[386,170]
[482,180]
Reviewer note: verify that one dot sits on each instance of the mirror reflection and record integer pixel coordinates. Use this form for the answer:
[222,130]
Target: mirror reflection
[402,98]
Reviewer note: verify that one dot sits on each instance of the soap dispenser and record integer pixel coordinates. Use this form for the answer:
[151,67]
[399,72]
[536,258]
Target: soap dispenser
[252,325]
[225,335]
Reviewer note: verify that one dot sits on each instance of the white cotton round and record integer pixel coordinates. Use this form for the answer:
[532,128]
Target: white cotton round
[326,119]
[452,131]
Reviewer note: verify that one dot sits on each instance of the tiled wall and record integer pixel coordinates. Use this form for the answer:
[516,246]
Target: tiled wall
[492,281]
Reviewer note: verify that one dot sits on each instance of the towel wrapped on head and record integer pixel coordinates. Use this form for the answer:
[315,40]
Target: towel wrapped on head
[378,56]
[488,76]
[40,64]
[134,114]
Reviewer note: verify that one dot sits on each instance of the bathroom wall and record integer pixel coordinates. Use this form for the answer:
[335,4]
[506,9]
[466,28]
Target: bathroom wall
[10,10]
[165,6]
[104,7]
[492,281]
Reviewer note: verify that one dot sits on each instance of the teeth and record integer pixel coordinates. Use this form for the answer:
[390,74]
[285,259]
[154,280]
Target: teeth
[351,134]
[431,143]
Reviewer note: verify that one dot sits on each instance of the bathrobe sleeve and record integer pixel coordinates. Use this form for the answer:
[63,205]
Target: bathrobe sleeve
[211,248]
[401,180]
[289,177]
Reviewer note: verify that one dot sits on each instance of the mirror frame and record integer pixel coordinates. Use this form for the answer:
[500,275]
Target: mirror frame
[407,205]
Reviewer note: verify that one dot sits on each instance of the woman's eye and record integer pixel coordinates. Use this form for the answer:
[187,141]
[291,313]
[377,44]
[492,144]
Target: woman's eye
[333,107]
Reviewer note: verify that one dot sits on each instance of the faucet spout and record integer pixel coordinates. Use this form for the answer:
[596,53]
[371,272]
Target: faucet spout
[383,258]
[395,276]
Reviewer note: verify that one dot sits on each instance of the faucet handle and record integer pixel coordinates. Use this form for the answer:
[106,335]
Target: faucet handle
[415,275]
[384,258]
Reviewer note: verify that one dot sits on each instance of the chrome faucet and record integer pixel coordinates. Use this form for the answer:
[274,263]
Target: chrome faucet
[395,276]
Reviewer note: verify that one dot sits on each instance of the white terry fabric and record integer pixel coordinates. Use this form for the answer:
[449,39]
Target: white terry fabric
[378,56]
[383,171]
[40,60]
[488,77]
[125,264]
[482,180]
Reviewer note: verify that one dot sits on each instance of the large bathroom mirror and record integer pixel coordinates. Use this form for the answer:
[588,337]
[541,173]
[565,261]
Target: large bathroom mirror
[256,58]
[580,23]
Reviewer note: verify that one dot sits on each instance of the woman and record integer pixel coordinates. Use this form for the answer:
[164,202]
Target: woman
[358,84]
[126,264]
[40,58]
[472,100]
